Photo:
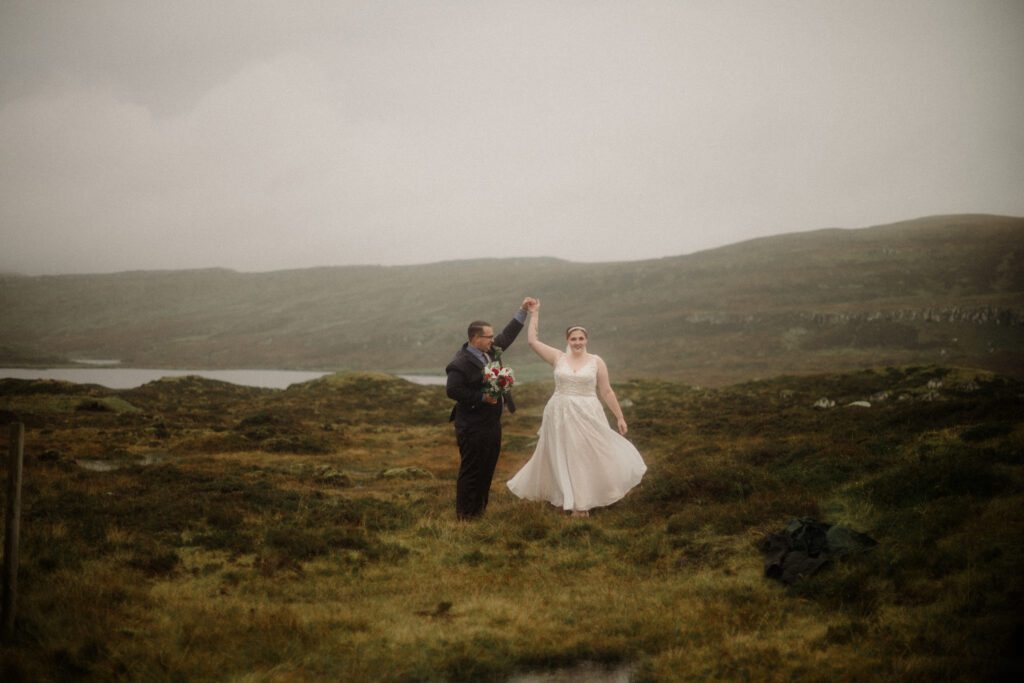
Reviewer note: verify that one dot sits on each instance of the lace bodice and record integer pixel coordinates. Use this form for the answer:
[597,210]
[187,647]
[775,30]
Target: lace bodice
[580,383]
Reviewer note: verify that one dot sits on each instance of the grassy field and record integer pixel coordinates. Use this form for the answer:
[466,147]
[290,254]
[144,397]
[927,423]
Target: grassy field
[309,534]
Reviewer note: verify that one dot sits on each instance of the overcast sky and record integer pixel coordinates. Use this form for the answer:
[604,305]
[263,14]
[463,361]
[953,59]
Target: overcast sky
[269,135]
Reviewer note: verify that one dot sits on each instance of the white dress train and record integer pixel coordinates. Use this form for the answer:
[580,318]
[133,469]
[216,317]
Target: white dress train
[580,461]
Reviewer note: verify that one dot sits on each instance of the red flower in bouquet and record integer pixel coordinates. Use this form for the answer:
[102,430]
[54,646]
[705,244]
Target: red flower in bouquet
[498,380]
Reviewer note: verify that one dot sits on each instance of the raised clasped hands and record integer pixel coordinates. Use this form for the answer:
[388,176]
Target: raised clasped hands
[530,304]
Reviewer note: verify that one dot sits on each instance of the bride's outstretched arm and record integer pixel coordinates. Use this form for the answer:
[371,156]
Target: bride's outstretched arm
[604,389]
[541,349]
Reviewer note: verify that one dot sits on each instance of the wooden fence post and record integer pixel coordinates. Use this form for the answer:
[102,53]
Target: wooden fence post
[12,528]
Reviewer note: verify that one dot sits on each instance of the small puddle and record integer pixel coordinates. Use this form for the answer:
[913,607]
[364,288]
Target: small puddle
[97,465]
[584,672]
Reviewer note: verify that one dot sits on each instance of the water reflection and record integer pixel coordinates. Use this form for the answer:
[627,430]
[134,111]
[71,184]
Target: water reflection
[584,672]
[129,378]
[96,465]
[431,380]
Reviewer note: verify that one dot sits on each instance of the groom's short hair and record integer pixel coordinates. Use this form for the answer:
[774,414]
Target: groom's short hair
[476,328]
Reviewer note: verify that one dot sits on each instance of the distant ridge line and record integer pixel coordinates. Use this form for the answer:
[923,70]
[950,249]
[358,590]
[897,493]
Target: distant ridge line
[924,222]
[936,290]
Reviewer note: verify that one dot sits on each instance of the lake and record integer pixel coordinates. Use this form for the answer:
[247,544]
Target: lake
[129,378]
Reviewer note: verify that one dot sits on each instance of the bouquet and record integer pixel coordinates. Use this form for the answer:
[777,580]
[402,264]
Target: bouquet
[498,379]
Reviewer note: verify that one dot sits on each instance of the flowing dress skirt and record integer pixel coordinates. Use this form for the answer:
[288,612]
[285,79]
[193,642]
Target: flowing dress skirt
[580,461]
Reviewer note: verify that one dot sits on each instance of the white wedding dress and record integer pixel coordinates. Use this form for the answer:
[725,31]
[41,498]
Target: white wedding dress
[580,461]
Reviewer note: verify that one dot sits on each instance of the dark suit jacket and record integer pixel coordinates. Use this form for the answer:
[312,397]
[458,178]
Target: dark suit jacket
[465,383]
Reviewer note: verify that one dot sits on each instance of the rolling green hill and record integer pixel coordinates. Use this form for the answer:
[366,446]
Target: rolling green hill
[946,289]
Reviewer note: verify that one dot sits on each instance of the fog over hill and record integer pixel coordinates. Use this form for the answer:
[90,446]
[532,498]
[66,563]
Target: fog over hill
[946,289]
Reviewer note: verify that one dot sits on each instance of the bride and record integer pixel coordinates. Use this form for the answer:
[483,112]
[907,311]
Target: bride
[580,462]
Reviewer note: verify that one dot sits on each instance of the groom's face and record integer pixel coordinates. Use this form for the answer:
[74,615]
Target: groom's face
[484,340]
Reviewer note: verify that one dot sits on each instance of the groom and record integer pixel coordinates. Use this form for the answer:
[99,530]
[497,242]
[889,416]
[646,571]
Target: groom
[477,416]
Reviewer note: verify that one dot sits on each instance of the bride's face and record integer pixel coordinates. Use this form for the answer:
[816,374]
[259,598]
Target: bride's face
[577,342]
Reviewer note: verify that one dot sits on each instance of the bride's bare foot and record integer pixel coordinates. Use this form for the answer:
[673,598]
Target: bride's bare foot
[580,513]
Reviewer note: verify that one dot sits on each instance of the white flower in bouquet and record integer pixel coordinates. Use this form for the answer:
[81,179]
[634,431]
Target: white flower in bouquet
[498,379]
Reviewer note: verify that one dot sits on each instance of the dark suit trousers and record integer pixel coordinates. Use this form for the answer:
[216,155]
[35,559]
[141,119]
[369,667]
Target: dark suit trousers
[479,446]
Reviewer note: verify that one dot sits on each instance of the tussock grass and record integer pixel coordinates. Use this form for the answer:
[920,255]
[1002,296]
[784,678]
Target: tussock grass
[249,564]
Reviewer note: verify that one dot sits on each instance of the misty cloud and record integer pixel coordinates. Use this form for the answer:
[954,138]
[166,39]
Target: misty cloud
[270,135]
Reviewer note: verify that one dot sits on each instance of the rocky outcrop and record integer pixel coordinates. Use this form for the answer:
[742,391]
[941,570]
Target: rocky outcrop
[985,315]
